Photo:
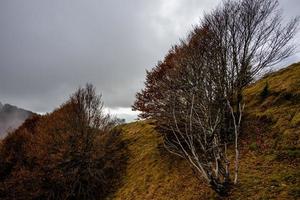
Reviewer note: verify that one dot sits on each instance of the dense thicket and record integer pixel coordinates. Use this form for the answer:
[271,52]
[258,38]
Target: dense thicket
[195,94]
[72,153]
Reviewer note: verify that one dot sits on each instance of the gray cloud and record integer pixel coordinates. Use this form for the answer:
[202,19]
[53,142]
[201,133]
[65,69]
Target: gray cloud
[50,47]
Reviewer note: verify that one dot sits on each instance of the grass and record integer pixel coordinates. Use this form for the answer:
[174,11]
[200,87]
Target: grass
[281,107]
[151,172]
[270,151]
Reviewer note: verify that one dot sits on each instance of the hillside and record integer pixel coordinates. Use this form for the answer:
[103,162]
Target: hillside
[53,155]
[270,150]
[11,117]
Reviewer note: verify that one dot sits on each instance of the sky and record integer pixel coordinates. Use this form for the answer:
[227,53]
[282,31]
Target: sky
[48,48]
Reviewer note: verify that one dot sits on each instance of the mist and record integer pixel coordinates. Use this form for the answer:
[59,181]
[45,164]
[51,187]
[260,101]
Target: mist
[11,117]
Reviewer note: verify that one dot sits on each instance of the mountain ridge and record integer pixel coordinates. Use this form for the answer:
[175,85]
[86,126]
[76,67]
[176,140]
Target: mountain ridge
[11,117]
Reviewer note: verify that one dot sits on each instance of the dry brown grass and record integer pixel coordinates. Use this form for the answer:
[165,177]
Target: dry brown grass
[269,157]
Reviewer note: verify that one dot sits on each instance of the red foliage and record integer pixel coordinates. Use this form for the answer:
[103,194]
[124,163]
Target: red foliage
[53,157]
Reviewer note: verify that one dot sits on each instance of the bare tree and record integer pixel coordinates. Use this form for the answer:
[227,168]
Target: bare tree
[250,37]
[197,137]
[70,153]
[195,95]
[86,121]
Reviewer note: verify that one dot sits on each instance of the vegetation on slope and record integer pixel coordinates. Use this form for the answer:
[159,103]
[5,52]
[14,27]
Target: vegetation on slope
[71,153]
[195,94]
[280,107]
[136,165]
[270,156]
[151,172]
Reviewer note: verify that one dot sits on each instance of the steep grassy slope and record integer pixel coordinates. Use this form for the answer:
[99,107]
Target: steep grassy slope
[270,149]
[281,106]
[151,172]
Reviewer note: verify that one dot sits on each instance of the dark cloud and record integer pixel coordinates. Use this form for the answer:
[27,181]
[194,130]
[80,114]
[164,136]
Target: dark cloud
[48,48]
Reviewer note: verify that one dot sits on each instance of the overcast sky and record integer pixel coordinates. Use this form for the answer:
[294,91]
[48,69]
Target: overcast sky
[50,47]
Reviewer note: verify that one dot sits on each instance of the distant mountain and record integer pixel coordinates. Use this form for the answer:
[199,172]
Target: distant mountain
[11,117]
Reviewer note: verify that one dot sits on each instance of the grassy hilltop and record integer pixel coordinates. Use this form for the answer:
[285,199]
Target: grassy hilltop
[270,150]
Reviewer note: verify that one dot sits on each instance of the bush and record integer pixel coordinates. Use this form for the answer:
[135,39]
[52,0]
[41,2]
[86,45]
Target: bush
[265,92]
[68,154]
[253,146]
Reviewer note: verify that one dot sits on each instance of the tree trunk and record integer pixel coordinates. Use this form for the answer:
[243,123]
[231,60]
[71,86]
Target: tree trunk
[222,189]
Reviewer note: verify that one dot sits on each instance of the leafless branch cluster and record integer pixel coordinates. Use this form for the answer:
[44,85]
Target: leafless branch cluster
[195,94]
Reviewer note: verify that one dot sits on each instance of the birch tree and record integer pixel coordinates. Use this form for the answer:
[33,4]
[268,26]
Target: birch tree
[195,94]
[251,36]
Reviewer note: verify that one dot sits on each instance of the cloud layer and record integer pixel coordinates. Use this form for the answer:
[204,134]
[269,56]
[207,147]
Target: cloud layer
[48,48]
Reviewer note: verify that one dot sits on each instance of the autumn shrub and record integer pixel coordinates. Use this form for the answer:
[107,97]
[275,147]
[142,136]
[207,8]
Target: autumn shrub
[71,153]
[265,92]
[195,95]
